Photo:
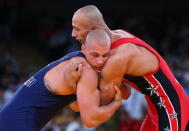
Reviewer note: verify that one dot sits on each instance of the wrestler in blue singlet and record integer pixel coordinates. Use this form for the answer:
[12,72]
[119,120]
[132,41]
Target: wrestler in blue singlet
[33,105]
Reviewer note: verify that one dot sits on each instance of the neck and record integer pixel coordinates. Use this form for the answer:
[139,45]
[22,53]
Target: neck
[110,33]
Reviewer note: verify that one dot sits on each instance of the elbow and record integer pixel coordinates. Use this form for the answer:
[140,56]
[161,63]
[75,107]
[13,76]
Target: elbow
[89,123]
[92,120]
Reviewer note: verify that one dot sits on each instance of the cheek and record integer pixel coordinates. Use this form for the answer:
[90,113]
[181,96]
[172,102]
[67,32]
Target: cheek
[106,59]
[84,34]
[91,60]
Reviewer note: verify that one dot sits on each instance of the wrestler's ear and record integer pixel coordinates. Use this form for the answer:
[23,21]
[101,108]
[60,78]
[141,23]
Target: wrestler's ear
[83,48]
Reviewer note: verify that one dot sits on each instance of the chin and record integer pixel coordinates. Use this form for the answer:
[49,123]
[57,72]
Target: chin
[82,42]
[98,71]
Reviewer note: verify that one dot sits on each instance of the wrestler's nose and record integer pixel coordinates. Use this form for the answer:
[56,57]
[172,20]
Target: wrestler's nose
[100,61]
[73,34]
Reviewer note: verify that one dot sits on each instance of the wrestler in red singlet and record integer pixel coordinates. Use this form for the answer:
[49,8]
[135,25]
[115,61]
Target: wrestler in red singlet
[168,104]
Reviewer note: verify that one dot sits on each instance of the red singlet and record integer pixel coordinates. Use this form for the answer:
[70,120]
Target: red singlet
[168,103]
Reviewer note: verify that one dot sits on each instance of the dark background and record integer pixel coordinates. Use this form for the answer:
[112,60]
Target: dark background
[36,32]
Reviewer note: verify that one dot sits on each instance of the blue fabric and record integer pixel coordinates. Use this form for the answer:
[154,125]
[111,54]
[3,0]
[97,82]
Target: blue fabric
[33,105]
[187,91]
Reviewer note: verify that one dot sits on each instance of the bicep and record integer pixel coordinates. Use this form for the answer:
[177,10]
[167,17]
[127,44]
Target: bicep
[114,70]
[112,74]
[87,92]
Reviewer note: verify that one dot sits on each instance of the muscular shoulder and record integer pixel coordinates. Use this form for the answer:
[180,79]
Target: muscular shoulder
[78,59]
[124,52]
[122,34]
[88,71]
[114,67]
[134,56]
[65,65]
[89,78]
[118,63]
[58,80]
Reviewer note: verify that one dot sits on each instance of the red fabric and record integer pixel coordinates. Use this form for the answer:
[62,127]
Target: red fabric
[184,100]
[133,126]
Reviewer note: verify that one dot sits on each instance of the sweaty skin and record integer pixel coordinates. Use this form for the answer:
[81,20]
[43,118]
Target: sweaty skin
[62,79]
[138,64]
[89,18]
[76,76]
[137,56]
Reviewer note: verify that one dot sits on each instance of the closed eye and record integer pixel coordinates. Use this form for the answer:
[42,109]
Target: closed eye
[76,28]
[106,55]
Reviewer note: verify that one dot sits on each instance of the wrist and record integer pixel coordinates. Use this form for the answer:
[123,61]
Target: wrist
[117,103]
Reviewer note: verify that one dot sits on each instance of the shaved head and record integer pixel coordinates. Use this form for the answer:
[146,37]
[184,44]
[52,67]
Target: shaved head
[89,28]
[91,15]
[97,48]
[99,37]
[85,19]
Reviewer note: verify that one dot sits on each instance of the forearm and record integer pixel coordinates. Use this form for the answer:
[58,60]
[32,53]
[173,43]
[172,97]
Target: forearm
[88,97]
[100,114]
[103,113]
[106,95]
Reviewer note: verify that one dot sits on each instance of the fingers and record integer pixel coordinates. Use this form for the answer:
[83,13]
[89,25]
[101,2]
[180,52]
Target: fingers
[117,89]
[80,69]
[118,93]
[74,66]
[76,72]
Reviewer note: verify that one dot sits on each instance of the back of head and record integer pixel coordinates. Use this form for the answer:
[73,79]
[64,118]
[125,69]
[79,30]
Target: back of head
[98,37]
[91,14]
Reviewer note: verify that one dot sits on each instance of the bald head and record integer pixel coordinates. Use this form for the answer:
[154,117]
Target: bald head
[98,37]
[85,19]
[97,48]
[91,15]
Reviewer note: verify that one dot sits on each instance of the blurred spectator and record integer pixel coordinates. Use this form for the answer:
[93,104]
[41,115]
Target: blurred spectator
[135,106]
[127,123]
[75,125]
[51,126]
[133,112]
[47,29]
[1,98]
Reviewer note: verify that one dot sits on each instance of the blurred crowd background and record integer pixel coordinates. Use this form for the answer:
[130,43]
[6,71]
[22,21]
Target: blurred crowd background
[34,33]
